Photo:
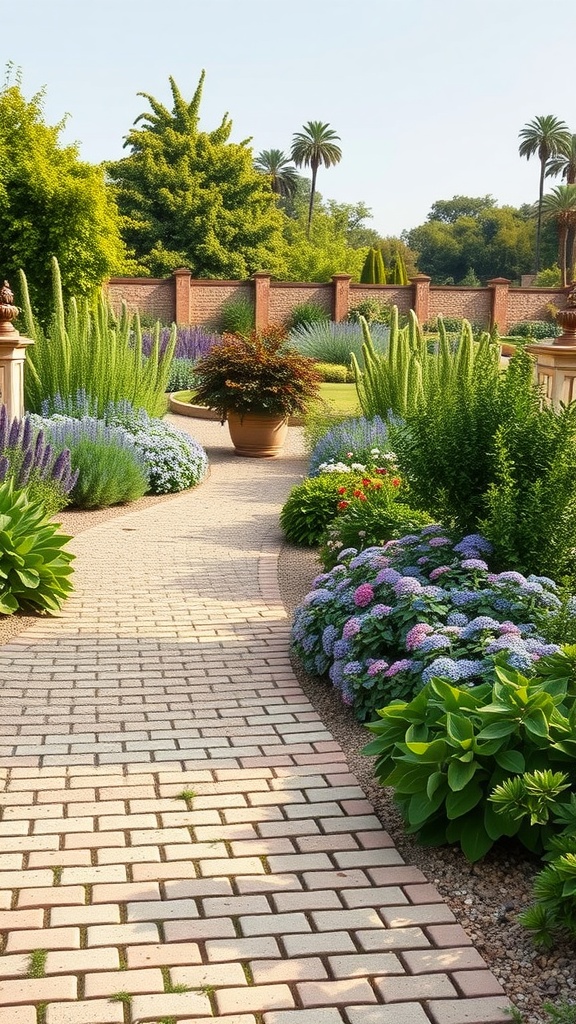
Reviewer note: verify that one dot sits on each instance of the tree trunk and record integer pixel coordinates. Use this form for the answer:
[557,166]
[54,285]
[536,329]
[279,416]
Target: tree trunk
[312,193]
[539,224]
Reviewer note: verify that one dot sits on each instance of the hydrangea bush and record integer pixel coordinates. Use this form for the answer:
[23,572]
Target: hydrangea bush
[385,621]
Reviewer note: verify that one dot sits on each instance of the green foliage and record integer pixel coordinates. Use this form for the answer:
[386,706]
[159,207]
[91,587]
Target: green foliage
[313,147]
[194,199]
[52,204]
[373,271]
[333,373]
[255,374]
[34,568]
[84,350]
[446,448]
[319,418]
[311,506]
[107,475]
[181,376]
[408,375]
[536,330]
[548,277]
[367,524]
[446,751]
[372,310]
[468,233]
[530,501]
[307,313]
[237,316]
[328,248]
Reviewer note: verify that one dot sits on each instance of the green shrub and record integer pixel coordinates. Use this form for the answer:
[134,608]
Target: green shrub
[332,373]
[367,524]
[537,330]
[307,313]
[237,316]
[107,475]
[85,349]
[372,310]
[181,375]
[310,506]
[34,568]
[446,751]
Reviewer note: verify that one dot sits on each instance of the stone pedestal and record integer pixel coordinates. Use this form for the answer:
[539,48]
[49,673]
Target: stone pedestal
[12,356]
[556,371]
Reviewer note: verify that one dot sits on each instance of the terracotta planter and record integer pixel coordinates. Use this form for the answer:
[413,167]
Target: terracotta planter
[256,435]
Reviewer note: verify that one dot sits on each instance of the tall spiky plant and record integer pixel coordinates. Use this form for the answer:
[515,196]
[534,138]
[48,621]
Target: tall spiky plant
[84,349]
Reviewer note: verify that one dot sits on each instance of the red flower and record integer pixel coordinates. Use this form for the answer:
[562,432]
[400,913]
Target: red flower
[377,487]
[359,494]
[341,490]
[342,505]
[383,472]
[366,482]
[396,481]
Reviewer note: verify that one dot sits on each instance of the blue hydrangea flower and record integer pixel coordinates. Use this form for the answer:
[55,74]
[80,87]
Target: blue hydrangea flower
[435,642]
[457,619]
[478,625]
[341,648]
[329,638]
[445,667]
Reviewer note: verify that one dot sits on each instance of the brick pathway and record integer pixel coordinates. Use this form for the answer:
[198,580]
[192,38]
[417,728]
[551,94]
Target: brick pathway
[180,837]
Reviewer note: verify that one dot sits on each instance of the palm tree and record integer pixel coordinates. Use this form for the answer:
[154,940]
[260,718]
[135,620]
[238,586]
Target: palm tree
[276,165]
[548,137]
[565,165]
[314,146]
[560,205]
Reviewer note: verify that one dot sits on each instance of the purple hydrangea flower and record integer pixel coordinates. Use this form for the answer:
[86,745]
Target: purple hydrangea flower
[510,577]
[351,628]
[474,563]
[438,542]
[417,634]
[473,543]
[439,571]
[377,666]
[435,642]
[329,638]
[380,610]
[508,627]
[318,597]
[387,576]
[341,648]
[478,625]
[407,585]
[403,665]
[353,668]
[432,528]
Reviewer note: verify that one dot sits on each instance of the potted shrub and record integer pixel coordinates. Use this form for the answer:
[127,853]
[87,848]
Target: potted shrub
[256,383]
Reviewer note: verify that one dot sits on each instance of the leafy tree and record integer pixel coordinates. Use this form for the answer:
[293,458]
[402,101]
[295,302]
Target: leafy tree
[547,137]
[275,164]
[52,204]
[496,242]
[450,210]
[323,252]
[560,206]
[565,165]
[193,198]
[312,147]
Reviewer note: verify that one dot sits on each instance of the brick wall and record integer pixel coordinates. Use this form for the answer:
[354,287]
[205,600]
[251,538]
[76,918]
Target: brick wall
[184,300]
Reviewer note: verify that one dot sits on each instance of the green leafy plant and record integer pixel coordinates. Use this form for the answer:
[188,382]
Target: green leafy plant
[556,1013]
[330,342]
[237,316]
[257,374]
[307,313]
[34,568]
[107,475]
[365,524]
[85,349]
[537,330]
[311,505]
[371,310]
[445,752]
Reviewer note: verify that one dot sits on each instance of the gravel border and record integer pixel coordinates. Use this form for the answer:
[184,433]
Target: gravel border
[484,897]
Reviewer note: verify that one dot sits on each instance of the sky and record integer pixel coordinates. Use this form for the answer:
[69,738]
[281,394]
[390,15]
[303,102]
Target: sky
[427,96]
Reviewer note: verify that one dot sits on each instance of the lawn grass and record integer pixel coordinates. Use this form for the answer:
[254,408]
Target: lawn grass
[341,397]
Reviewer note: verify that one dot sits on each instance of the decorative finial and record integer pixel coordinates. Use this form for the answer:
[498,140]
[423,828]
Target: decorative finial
[8,311]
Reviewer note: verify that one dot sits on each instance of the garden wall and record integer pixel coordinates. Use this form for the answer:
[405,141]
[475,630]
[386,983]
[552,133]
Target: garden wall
[185,300]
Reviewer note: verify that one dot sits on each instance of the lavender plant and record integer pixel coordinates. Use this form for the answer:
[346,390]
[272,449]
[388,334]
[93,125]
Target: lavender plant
[384,622]
[192,343]
[357,440]
[43,470]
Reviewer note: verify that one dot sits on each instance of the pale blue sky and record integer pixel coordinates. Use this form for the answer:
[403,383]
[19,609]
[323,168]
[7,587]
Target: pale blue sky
[428,96]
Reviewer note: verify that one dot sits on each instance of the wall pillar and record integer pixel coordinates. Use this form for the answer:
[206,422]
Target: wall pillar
[261,299]
[421,297]
[340,296]
[12,356]
[499,286]
[182,278]
[555,372]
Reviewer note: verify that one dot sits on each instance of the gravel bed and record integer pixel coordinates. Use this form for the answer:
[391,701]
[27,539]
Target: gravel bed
[486,897]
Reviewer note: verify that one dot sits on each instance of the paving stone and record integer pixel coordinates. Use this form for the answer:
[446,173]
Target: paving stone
[404,989]
[492,1010]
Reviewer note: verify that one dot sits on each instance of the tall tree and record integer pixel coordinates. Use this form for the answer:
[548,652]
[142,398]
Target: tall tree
[559,205]
[565,166]
[52,204]
[313,146]
[275,164]
[193,198]
[547,137]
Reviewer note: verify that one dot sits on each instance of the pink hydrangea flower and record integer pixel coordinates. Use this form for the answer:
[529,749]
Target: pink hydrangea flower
[363,595]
